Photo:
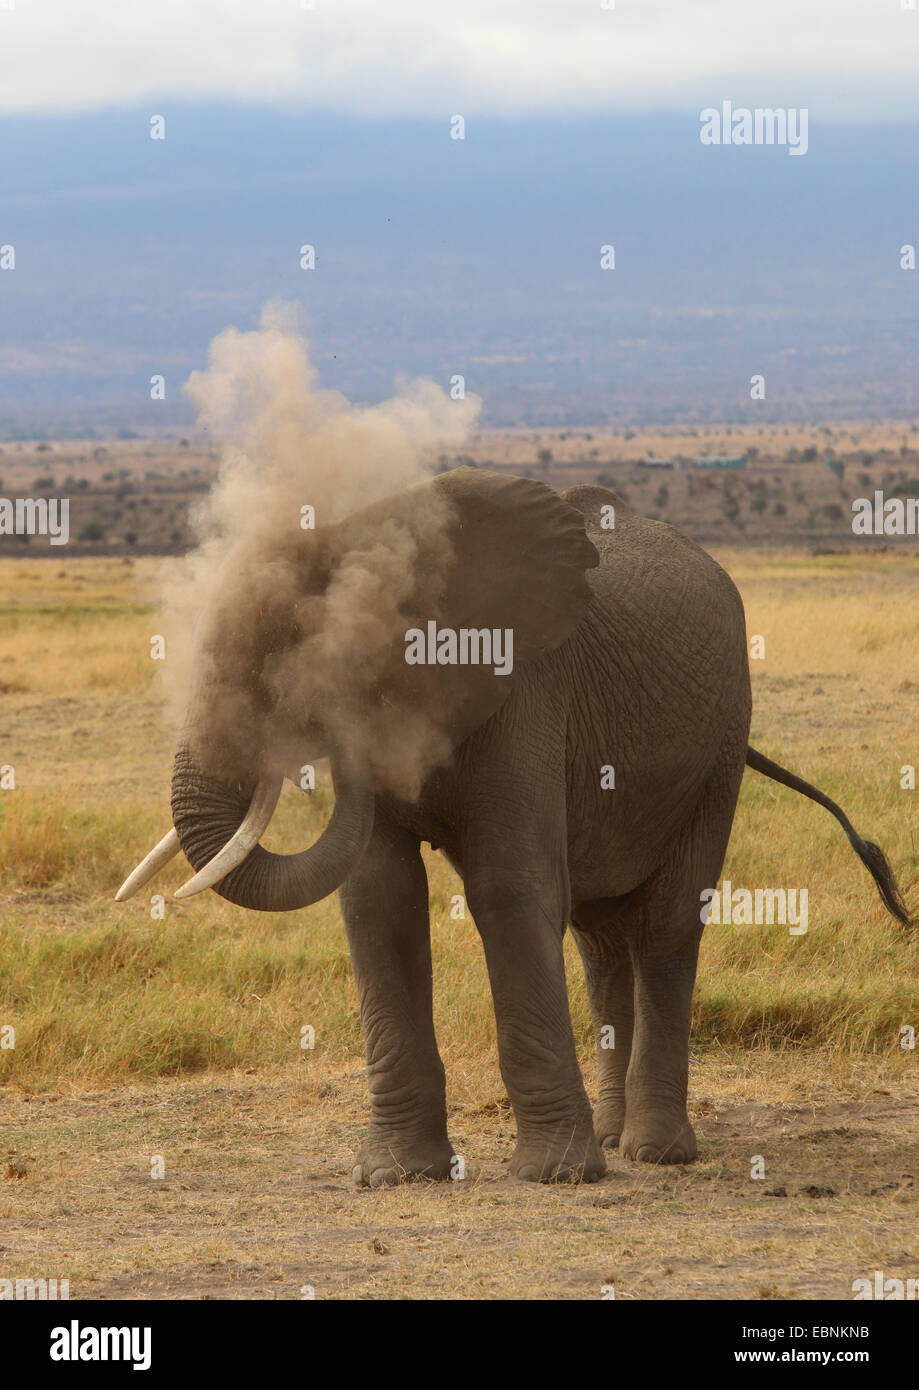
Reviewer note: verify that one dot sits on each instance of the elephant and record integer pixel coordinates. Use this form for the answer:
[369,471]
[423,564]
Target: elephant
[591,787]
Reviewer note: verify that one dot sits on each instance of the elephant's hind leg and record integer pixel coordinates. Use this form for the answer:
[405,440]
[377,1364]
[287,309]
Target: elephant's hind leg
[610,990]
[662,924]
[657,1128]
[385,907]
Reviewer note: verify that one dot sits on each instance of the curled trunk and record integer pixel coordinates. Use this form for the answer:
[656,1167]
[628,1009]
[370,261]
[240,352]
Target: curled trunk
[207,813]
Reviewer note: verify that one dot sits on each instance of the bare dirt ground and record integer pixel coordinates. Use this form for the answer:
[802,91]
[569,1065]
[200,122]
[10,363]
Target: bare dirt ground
[256,1201]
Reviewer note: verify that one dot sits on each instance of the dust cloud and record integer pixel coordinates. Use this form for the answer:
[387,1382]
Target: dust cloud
[276,634]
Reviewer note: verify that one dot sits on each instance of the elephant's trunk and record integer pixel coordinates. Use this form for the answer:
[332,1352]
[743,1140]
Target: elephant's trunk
[207,813]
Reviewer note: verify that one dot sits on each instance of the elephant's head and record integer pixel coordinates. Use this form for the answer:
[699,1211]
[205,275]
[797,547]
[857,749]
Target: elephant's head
[309,652]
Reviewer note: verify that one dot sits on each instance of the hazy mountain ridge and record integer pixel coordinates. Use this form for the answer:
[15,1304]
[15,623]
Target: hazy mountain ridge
[479,257]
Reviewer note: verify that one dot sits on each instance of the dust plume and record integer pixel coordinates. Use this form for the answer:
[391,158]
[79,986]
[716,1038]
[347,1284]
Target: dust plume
[277,632]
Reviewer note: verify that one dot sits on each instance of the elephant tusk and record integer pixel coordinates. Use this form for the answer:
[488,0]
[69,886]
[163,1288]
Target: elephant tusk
[167,849]
[240,846]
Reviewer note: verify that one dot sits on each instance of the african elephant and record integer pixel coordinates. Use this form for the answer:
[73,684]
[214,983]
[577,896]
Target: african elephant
[593,785]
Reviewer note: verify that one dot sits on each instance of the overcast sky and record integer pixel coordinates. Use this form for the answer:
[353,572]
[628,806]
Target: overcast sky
[850,60]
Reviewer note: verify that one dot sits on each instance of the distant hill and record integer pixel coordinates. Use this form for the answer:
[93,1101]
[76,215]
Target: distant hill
[479,257]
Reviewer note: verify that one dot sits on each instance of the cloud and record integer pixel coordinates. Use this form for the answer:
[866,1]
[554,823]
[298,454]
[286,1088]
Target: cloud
[852,60]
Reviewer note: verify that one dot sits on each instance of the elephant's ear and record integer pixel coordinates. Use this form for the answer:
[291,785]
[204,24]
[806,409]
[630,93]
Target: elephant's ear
[492,554]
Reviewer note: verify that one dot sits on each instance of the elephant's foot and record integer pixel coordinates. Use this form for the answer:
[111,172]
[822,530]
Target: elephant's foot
[609,1122]
[386,1160]
[659,1143]
[575,1157]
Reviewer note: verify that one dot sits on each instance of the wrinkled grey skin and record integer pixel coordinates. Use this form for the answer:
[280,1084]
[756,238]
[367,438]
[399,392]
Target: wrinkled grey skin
[631,653]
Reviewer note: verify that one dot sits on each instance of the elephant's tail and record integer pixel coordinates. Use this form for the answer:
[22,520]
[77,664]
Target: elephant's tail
[871,855]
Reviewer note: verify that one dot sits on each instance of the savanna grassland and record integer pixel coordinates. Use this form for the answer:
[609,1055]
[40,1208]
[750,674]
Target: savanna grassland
[180,1036]
[135,497]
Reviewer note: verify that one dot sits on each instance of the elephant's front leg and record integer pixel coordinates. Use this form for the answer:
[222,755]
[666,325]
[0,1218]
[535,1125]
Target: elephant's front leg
[385,907]
[521,917]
